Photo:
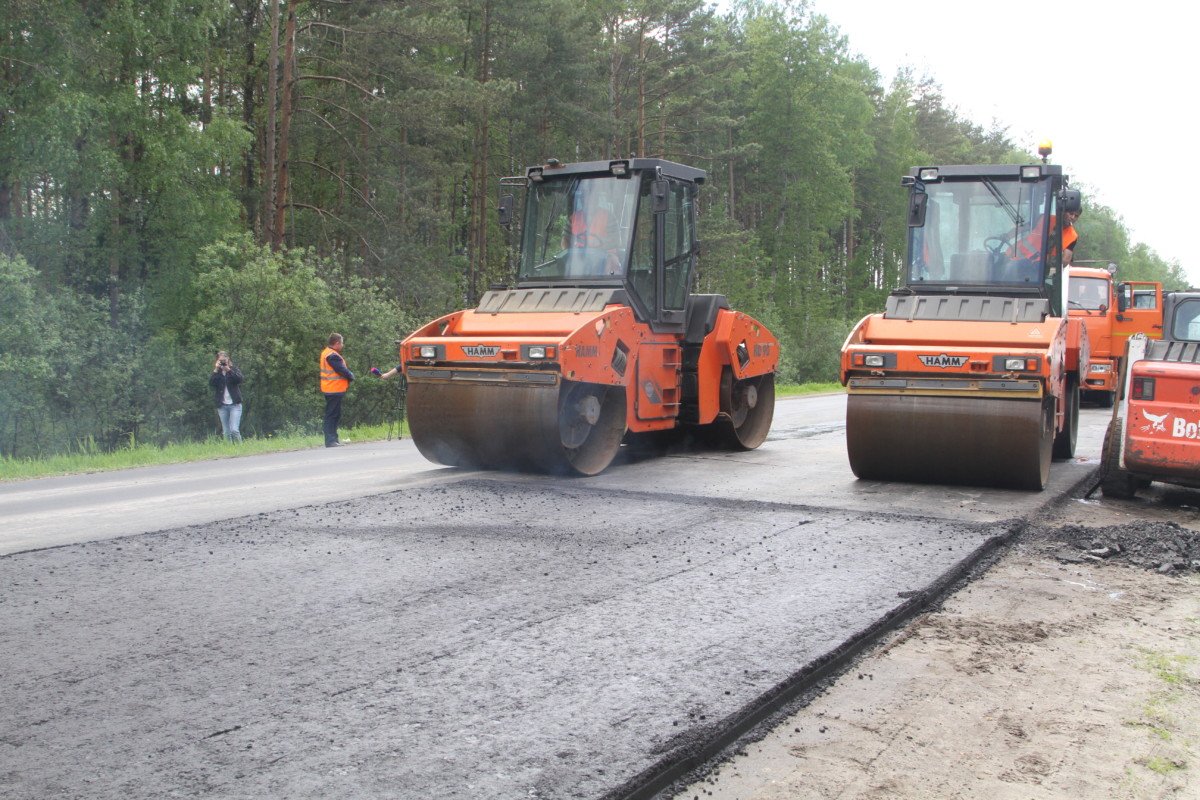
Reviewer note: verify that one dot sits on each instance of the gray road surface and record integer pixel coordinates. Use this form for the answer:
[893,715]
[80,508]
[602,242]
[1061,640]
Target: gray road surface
[804,457]
[415,632]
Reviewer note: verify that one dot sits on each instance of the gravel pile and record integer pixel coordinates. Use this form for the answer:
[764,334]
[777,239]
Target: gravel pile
[1161,546]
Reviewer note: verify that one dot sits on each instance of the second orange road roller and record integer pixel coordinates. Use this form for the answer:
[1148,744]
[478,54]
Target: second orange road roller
[971,375]
[600,340]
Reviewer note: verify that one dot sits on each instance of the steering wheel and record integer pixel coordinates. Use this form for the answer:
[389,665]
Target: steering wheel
[588,239]
[995,244]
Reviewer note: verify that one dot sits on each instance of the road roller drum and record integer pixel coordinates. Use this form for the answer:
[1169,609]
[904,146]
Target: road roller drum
[951,440]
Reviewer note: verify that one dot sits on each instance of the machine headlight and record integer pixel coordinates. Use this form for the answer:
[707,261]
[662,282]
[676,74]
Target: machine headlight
[537,352]
[1015,364]
[874,360]
[929,174]
[427,351]
[1100,368]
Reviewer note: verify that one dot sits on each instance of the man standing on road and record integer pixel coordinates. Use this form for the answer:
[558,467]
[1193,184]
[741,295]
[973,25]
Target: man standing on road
[335,380]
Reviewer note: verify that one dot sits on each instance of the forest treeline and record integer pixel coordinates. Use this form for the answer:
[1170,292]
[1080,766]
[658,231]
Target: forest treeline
[178,176]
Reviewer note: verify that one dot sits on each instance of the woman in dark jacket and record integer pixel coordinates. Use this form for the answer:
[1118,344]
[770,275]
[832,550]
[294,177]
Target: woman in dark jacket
[226,383]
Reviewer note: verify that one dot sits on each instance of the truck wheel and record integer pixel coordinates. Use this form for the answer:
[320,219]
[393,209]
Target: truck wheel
[1064,442]
[1115,481]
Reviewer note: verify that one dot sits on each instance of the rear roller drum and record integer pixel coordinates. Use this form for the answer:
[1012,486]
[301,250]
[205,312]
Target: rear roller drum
[591,424]
[952,440]
[747,408]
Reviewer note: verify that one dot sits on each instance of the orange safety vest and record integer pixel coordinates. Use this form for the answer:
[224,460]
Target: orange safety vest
[1029,246]
[1070,236]
[584,226]
[331,382]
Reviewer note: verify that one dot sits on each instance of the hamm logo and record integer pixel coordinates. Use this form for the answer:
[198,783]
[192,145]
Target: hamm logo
[943,361]
[480,351]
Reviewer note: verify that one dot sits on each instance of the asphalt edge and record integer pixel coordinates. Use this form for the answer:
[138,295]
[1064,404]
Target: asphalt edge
[685,761]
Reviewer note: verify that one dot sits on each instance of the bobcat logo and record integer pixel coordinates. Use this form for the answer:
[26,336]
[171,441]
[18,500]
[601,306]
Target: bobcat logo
[1158,422]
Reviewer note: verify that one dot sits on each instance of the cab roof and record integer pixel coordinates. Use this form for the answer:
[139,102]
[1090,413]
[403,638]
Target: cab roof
[554,169]
[986,170]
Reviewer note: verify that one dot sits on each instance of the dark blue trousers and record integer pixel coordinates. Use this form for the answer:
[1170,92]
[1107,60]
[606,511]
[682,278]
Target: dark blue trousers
[333,415]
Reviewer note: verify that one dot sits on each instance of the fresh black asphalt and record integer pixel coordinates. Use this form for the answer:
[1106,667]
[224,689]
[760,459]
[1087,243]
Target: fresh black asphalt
[478,639]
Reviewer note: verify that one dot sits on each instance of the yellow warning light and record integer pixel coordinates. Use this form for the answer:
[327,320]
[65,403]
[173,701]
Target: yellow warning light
[1045,148]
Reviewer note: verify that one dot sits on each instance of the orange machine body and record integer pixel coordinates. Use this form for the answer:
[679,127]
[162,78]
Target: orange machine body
[609,347]
[1154,434]
[964,359]
[1162,434]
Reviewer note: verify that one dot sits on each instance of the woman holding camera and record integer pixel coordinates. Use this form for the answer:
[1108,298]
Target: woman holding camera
[226,383]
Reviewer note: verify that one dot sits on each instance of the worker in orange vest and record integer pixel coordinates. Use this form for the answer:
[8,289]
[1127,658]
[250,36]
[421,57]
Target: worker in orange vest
[590,230]
[1027,249]
[335,380]
[1070,236]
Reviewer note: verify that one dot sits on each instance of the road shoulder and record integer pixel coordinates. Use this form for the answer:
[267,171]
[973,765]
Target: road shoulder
[1056,673]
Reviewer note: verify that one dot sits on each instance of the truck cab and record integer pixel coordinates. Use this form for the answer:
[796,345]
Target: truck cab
[1111,312]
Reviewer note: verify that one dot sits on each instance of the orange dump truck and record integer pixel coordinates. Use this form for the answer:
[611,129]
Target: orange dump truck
[599,341]
[971,375]
[1111,312]
[1154,434]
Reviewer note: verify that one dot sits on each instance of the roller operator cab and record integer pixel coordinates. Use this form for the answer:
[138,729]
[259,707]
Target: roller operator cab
[971,373]
[1111,312]
[600,341]
[1154,434]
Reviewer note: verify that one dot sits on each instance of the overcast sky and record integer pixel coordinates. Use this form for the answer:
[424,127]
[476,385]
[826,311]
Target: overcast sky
[1112,85]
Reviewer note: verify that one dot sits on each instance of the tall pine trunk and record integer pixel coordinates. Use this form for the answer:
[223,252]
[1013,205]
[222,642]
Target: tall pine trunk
[477,224]
[249,98]
[268,213]
[285,124]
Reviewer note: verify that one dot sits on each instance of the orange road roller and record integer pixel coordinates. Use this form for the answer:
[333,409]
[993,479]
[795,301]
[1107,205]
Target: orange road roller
[971,373]
[600,341]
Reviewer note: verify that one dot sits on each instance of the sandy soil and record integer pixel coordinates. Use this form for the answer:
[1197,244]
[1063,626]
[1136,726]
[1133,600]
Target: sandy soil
[1067,669]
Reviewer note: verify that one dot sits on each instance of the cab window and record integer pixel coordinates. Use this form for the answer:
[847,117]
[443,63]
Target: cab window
[641,260]
[1186,324]
[677,261]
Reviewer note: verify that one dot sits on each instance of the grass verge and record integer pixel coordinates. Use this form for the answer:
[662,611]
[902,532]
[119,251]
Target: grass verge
[800,389]
[13,469]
